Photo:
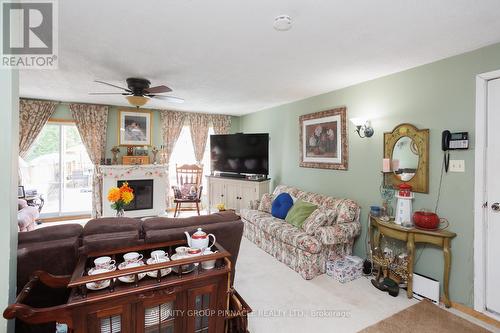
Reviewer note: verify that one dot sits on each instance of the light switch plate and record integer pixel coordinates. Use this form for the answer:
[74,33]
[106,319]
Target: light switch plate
[457,166]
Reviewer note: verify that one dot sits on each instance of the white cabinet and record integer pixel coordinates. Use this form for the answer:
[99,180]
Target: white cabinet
[234,193]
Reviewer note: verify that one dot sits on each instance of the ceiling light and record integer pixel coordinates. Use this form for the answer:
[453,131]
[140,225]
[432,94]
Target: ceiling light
[137,101]
[282,23]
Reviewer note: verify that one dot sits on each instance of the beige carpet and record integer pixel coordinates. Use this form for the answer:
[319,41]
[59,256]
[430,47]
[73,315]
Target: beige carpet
[284,302]
[424,317]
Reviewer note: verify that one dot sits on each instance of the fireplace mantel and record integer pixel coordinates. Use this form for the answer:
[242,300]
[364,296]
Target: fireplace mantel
[111,174]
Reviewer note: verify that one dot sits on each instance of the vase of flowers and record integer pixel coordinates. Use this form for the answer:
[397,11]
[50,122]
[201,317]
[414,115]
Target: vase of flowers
[120,197]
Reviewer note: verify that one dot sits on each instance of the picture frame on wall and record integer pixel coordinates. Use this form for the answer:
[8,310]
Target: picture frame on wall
[135,128]
[323,140]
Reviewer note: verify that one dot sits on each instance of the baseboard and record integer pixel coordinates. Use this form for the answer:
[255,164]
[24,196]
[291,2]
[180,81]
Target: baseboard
[64,218]
[478,315]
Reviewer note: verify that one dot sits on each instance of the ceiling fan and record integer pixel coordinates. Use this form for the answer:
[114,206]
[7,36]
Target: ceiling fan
[138,92]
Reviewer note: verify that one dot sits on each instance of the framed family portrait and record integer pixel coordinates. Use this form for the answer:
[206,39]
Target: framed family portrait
[135,128]
[323,140]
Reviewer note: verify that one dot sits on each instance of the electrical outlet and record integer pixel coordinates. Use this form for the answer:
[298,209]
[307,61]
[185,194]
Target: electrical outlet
[457,166]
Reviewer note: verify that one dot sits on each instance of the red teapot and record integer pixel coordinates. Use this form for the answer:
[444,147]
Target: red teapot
[428,220]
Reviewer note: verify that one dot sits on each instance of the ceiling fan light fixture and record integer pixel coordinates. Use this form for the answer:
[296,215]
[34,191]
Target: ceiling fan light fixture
[137,101]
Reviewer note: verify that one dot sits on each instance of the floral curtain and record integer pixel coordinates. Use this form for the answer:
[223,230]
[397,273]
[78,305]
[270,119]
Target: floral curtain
[33,115]
[221,123]
[199,133]
[91,121]
[171,126]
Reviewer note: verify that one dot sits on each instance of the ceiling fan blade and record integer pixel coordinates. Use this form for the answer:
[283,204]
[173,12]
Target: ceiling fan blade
[168,98]
[112,85]
[158,90]
[110,93]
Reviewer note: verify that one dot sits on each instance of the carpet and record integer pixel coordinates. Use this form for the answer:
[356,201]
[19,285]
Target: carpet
[424,317]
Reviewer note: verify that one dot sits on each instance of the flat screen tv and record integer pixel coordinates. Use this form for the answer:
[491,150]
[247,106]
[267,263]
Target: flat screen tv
[240,153]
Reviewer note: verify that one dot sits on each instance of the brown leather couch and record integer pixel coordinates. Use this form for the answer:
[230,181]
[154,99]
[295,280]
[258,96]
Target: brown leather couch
[56,249]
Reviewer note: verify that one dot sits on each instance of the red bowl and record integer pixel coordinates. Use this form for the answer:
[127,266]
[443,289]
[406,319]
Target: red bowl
[426,220]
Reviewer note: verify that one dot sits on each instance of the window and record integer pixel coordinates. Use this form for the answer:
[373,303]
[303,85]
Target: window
[67,190]
[183,153]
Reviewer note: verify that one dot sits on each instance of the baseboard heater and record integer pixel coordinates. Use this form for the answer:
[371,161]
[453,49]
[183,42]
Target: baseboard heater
[425,287]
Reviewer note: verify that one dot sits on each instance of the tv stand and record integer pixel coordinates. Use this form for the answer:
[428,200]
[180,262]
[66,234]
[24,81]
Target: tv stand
[234,193]
[231,175]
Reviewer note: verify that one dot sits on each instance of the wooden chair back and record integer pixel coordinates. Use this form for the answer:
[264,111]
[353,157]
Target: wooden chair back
[189,174]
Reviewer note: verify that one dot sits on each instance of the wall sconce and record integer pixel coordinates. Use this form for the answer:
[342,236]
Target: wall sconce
[363,127]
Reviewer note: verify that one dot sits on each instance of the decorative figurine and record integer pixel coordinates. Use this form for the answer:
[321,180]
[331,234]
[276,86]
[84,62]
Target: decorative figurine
[155,152]
[115,150]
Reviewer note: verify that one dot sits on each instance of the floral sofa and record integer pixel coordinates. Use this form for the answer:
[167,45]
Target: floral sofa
[328,233]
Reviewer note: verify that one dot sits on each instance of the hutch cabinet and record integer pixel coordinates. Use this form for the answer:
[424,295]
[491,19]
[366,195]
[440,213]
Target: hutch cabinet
[188,299]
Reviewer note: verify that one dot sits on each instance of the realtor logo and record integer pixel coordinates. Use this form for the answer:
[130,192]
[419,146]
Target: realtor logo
[29,37]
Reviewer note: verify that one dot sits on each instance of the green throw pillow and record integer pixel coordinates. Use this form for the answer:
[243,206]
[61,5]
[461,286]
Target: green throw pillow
[299,212]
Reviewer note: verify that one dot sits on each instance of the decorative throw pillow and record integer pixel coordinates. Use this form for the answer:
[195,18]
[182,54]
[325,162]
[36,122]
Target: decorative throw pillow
[319,218]
[265,203]
[281,205]
[299,213]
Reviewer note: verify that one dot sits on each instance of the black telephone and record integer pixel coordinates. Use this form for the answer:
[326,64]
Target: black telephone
[453,141]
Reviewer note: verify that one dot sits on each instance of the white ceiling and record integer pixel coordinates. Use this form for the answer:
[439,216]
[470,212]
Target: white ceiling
[224,56]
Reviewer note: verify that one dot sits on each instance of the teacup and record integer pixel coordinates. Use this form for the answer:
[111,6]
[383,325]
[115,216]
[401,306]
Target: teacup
[181,251]
[158,254]
[104,263]
[99,284]
[130,264]
[209,264]
[132,257]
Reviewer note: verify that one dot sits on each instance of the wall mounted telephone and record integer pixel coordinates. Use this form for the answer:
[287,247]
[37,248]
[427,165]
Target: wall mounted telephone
[453,141]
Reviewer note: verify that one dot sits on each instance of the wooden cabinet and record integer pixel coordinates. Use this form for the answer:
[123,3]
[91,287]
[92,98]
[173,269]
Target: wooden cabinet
[234,193]
[135,160]
[188,299]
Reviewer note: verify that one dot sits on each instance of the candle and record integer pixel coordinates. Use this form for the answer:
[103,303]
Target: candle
[386,165]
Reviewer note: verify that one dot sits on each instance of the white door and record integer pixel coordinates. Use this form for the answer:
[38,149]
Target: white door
[493,195]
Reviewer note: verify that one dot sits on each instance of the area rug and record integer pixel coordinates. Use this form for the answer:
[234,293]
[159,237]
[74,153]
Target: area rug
[424,317]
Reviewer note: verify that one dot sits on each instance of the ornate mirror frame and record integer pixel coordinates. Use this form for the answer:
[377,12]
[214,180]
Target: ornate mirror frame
[420,182]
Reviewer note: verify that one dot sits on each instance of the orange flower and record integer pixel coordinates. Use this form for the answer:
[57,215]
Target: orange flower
[127,197]
[114,194]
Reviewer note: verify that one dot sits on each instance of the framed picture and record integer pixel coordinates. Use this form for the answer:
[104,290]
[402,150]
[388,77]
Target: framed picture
[323,140]
[135,128]
[20,192]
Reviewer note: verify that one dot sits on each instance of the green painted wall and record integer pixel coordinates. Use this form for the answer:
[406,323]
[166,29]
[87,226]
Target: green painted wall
[63,112]
[437,96]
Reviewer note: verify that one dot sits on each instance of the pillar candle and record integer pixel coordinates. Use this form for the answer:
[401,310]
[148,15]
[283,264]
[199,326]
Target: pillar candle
[386,165]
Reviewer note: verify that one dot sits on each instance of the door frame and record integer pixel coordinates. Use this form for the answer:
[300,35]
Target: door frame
[480,195]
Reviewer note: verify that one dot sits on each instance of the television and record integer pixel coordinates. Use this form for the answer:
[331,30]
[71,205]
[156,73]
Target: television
[240,153]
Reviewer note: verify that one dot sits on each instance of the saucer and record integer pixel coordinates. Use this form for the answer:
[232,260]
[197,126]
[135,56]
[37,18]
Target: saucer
[93,286]
[154,274]
[130,278]
[188,268]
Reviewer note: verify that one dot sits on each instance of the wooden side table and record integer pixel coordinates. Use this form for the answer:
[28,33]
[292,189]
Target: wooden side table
[440,238]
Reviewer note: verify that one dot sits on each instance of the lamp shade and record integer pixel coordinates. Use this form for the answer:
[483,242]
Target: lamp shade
[137,101]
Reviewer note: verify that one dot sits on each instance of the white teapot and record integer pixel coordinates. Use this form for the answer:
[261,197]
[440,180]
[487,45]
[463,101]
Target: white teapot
[200,239]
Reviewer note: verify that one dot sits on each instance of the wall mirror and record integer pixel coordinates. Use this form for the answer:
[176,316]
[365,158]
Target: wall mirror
[408,149]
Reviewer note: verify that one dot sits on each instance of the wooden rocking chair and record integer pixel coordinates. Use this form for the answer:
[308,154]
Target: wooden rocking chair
[189,188]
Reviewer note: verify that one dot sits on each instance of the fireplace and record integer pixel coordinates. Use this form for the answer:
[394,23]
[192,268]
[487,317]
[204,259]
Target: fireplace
[143,194]
[149,182]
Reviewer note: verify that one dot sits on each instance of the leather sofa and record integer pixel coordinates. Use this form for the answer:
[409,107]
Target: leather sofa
[56,249]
